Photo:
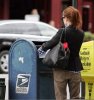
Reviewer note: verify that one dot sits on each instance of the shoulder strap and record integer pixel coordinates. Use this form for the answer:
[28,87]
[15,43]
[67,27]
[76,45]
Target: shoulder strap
[63,31]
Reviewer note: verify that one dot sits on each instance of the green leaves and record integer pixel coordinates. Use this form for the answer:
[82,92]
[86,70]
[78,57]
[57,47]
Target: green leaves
[88,36]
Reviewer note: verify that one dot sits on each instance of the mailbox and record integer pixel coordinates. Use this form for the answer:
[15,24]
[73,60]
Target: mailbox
[23,70]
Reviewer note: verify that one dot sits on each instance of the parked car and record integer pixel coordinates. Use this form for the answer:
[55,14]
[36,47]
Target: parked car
[11,30]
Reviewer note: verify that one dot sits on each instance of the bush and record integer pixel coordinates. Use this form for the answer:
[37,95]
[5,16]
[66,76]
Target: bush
[88,36]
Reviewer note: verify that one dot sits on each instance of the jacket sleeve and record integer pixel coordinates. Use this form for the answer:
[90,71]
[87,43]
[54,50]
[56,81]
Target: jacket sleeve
[51,43]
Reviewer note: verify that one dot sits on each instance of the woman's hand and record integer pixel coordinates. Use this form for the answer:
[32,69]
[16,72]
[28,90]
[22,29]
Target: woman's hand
[41,52]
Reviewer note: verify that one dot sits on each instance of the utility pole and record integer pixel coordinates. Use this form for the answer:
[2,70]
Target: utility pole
[74,3]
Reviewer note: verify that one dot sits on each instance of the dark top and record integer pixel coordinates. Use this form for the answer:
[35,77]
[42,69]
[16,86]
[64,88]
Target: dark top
[74,38]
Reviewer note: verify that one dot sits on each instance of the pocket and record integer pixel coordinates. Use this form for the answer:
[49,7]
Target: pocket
[77,77]
[58,75]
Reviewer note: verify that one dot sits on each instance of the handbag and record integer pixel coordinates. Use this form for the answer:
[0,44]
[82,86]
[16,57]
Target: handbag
[58,56]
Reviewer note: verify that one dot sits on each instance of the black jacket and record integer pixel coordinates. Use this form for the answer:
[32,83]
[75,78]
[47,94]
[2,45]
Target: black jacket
[74,38]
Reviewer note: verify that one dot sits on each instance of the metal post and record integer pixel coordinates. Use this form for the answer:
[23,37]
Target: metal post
[74,3]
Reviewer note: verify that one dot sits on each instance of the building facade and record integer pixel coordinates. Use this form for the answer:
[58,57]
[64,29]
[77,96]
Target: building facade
[86,8]
[48,10]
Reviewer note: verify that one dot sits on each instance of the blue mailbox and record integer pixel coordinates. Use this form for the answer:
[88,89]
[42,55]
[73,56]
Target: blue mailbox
[23,70]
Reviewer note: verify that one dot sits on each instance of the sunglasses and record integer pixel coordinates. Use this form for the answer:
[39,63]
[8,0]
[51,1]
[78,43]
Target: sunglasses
[62,17]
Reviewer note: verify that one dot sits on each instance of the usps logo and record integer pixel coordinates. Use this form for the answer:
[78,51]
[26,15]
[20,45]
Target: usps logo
[22,83]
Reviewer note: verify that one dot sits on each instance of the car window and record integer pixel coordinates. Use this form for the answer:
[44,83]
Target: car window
[20,28]
[46,30]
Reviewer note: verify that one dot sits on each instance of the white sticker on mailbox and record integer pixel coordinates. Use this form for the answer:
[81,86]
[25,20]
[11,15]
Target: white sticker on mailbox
[22,83]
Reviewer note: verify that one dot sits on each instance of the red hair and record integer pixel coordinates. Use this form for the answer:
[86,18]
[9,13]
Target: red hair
[74,16]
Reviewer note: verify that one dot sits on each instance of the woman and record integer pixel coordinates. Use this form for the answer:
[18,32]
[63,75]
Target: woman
[74,37]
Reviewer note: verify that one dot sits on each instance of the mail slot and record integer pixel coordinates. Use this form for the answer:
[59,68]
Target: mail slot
[23,70]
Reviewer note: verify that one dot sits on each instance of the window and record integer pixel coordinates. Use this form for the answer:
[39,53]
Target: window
[46,30]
